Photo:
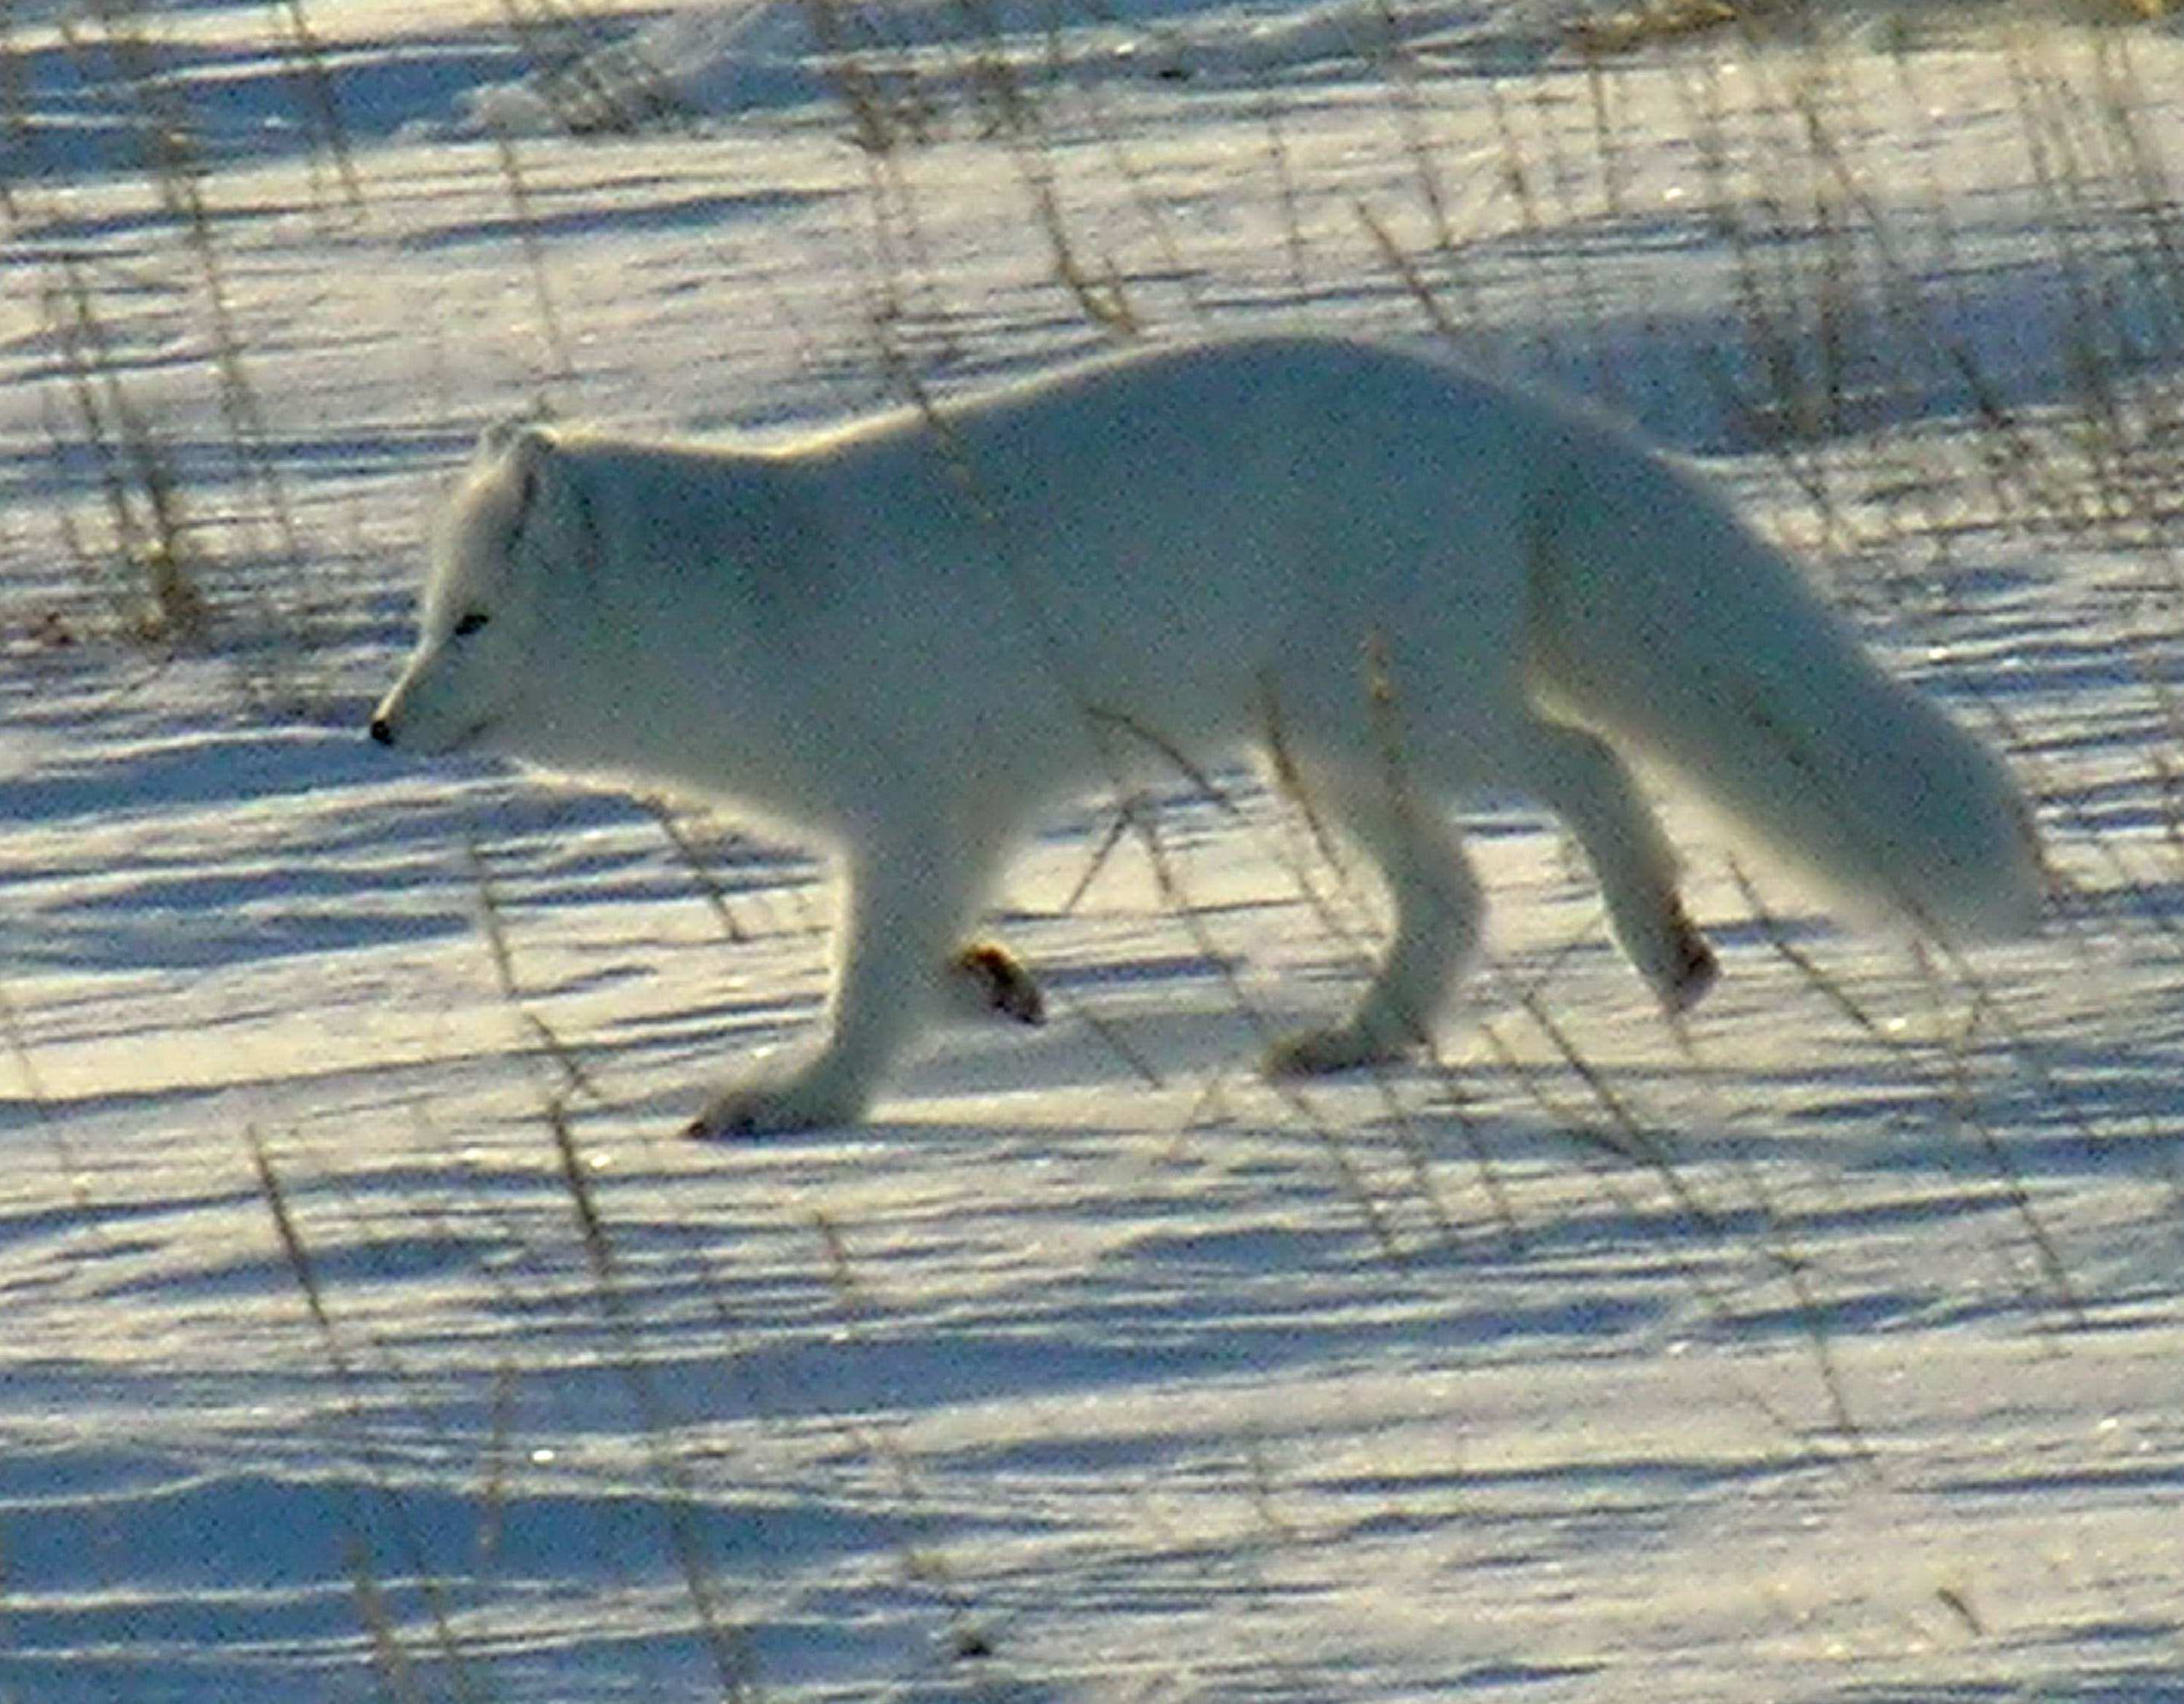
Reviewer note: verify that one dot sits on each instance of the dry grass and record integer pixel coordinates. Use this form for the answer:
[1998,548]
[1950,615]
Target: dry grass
[1834,292]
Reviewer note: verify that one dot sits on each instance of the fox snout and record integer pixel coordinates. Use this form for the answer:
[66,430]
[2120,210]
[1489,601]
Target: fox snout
[386,714]
[406,719]
[426,713]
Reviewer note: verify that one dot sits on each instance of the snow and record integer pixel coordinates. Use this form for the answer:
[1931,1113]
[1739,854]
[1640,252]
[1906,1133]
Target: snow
[369,1335]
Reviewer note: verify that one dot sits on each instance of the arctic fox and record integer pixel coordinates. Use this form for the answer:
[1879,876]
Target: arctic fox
[1397,580]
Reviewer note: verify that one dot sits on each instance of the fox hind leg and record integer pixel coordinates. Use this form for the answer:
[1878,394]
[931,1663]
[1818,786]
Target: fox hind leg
[1577,775]
[1437,906]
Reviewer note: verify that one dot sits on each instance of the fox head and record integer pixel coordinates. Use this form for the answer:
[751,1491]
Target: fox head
[481,675]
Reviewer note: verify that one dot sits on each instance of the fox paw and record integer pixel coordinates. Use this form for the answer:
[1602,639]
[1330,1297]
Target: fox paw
[1668,949]
[1317,1052]
[1694,969]
[989,979]
[769,1106]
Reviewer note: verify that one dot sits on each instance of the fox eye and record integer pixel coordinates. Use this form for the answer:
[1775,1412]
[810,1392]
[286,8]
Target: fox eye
[468,622]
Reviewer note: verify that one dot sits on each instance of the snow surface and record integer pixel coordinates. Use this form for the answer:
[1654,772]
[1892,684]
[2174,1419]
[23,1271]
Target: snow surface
[368,1334]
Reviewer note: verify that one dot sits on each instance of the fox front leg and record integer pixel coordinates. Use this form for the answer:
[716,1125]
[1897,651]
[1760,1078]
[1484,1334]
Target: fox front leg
[904,907]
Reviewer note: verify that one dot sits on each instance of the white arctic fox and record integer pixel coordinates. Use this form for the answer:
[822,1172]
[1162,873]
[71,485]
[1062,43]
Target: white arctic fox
[1397,580]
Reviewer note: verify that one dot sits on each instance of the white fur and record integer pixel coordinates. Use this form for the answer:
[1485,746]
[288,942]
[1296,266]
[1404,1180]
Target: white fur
[1399,581]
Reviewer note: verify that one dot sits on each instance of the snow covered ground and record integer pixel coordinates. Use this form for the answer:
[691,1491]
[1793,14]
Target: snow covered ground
[366,1334]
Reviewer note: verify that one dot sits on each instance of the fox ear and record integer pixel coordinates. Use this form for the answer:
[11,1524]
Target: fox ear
[504,438]
[527,448]
[546,479]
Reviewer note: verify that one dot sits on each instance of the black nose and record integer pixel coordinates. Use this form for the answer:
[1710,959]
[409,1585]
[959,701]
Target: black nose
[382,731]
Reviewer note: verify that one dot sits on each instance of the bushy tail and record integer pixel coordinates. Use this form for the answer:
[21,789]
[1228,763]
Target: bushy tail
[1661,622]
